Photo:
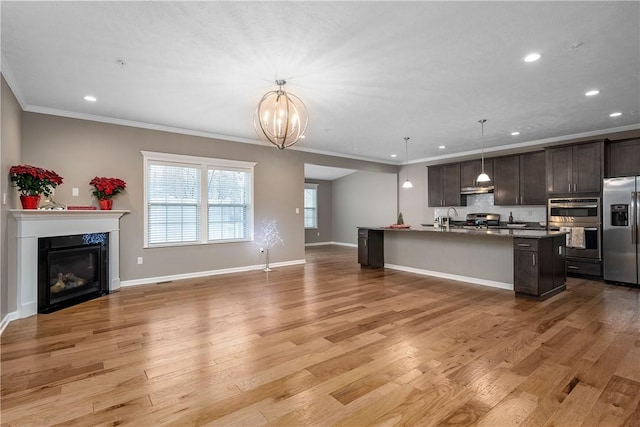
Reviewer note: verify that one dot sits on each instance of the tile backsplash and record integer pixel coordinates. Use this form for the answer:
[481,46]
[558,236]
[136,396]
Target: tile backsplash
[478,203]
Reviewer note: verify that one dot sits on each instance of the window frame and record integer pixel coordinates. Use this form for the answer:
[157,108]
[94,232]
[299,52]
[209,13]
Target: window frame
[312,186]
[204,164]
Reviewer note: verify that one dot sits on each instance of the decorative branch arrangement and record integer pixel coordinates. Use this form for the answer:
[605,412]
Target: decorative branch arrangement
[268,238]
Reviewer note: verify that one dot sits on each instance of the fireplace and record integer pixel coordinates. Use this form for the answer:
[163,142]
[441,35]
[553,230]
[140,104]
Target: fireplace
[71,270]
[27,227]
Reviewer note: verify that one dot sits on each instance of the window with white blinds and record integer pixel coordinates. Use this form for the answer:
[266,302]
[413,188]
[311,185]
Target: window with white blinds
[196,200]
[228,204]
[310,205]
[173,203]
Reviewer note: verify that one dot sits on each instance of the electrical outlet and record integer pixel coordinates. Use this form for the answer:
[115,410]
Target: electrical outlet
[139,260]
[318,234]
[75,192]
[297,210]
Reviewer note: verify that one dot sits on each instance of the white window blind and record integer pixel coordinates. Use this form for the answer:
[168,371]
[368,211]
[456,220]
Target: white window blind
[195,200]
[310,205]
[228,197]
[173,203]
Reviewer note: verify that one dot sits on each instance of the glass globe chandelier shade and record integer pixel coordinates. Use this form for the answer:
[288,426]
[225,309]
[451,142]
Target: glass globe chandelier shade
[483,177]
[281,118]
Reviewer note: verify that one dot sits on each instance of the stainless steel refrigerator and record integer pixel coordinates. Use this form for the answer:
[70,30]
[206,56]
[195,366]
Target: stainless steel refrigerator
[621,218]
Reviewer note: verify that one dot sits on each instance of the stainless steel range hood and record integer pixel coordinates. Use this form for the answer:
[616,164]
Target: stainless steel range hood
[477,190]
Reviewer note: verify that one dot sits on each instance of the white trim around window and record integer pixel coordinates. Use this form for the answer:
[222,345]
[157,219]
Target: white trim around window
[310,206]
[191,200]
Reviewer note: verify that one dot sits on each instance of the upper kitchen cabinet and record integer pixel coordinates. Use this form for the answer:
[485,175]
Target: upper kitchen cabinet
[444,185]
[532,185]
[469,171]
[623,158]
[519,180]
[575,169]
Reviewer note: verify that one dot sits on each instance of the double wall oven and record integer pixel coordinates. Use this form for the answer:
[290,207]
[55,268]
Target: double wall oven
[580,217]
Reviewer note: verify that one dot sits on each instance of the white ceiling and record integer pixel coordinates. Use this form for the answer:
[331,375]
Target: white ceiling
[370,73]
[326,173]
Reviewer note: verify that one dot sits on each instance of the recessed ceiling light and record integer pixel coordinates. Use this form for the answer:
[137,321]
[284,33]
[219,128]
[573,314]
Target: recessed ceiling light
[615,114]
[516,133]
[442,147]
[532,57]
[592,92]
[90,98]
[394,155]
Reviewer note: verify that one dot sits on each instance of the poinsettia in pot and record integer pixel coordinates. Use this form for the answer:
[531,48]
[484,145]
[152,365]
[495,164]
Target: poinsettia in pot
[32,182]
[105,189]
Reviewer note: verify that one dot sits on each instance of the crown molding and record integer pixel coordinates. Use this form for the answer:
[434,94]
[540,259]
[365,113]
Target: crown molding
[183,131]
[11,81]
[540,143]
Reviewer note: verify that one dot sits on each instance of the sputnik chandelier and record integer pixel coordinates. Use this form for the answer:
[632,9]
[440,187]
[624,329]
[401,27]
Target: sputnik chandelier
[281,118]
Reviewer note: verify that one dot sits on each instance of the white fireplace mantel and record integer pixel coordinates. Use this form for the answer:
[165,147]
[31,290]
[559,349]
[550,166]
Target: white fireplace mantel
[29,225]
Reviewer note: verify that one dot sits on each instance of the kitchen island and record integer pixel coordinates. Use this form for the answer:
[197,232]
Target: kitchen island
[531,262]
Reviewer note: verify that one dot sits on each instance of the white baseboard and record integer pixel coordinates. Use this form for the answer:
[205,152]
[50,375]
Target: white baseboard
[318,244]
[475,280]
[351,245]
[148,280]
[7,319]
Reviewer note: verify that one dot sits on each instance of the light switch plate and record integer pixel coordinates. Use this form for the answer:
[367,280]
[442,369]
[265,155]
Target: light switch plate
[75,192]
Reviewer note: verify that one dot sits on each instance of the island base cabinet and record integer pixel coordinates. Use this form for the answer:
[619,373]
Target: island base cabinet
[370,248]
[526,272]
[539,267]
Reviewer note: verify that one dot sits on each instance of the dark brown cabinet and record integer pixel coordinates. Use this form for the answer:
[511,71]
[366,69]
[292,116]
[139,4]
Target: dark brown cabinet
[444,185]
[519,180]
[539,266]
[584,267]
[370,248]
[623,158]
[469,171]
[575,168]
[532,179]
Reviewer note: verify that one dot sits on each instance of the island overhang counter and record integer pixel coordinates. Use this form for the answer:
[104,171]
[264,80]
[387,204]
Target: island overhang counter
[481,256]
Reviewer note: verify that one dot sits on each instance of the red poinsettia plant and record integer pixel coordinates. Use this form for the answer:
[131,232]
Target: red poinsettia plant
[33,181]
[106,188]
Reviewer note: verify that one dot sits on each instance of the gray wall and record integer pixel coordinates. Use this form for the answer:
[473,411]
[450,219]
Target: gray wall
[412,202]
[10,155]
[363,199]
[78,150]
[323,233]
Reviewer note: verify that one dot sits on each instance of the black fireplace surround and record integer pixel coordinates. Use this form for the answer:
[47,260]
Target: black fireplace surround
[71,270]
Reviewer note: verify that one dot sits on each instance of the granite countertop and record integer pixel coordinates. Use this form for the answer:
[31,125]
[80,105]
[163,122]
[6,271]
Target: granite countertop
[525,232]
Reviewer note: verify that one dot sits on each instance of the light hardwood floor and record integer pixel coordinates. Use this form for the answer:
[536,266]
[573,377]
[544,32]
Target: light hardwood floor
[328,344]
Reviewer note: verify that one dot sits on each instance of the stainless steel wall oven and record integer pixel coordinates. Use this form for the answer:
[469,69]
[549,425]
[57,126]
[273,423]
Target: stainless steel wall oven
[581,218]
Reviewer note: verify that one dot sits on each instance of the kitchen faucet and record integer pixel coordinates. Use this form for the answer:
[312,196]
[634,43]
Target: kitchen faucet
[448,217]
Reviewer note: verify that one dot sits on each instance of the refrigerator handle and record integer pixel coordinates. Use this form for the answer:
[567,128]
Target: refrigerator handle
[635,218]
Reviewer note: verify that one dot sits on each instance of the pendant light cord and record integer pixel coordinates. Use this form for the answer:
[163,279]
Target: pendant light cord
[406,154]
[482,123]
